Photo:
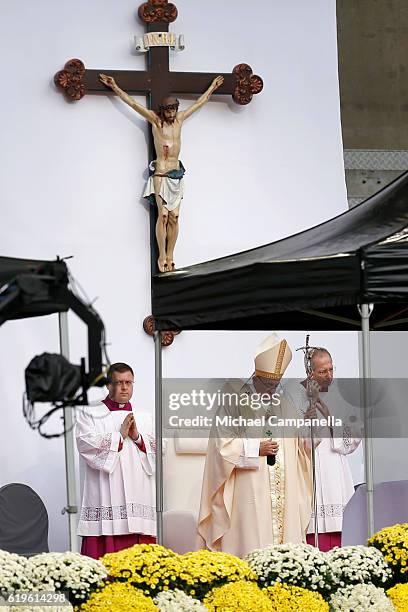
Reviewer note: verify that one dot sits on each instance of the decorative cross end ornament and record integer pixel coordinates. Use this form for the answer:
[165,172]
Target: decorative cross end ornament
[157,11]
[167,337]
[70,80]
[247,84]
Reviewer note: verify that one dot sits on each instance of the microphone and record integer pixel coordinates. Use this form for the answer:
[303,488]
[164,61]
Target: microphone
[270,459]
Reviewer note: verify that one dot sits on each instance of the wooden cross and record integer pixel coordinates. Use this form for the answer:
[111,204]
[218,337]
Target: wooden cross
[157,81]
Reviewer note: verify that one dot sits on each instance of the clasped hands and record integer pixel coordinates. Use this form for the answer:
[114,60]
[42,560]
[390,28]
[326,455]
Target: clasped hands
[128,428]
[268,447]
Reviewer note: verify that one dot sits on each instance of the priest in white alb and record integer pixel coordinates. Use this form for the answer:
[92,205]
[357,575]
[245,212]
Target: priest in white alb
[334,481]
[246,503]
[118,449]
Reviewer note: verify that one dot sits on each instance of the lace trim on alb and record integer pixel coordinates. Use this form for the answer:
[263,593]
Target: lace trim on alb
[103,451]
[111,513]
[329,510]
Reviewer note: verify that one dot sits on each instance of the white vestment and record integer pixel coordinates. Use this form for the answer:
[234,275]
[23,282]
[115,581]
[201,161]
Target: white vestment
[118,495]
[245,504]
[334,482]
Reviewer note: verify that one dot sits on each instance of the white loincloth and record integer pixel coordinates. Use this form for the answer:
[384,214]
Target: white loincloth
[171,190]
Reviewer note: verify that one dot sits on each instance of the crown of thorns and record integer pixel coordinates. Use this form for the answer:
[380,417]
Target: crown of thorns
[173,105]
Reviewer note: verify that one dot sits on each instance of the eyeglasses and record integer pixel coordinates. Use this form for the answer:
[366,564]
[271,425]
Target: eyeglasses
[325,372]
[122,383]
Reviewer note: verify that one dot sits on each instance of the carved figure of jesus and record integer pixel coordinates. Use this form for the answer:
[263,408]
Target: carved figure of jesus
[166,181]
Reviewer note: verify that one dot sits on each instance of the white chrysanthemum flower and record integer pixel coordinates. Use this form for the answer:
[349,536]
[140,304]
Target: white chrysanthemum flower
[14,572]
[361,597]
[178,601]
[298,564]
[72,572]
[359,564]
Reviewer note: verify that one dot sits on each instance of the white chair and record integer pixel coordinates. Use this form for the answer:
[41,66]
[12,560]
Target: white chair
[179,531]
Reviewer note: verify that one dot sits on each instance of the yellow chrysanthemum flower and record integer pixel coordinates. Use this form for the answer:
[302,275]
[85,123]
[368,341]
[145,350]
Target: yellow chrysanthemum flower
[154,568]
[289,598]
[393,543]
[118,597]
[399,596]
[136,560]
[206,565]
[148,566]
[205,570]
[240,596]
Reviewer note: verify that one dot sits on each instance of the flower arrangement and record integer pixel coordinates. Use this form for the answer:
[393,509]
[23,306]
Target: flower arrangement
[399,596]
[297,564]
[359,564]
[240,596]
[289,598]
[154,568]
[178,601]
[150,567]
[14,573]
[393,543]
[117,597]
[204,570]
[70,572]
[361,597]
[283,577]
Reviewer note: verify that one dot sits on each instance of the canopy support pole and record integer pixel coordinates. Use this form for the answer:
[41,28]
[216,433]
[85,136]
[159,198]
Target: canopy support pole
[158,387]
[365,311]
[69,421]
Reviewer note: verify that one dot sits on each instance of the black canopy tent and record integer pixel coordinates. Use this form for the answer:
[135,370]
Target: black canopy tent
[31,288]
[311,280]
[325,278]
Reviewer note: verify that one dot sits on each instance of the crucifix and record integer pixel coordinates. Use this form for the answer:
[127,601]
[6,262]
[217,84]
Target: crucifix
[158,83]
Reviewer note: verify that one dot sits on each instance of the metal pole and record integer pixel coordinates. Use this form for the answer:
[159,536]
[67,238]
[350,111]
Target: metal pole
[158,385]
[314,497]
[365,311]
[69,421]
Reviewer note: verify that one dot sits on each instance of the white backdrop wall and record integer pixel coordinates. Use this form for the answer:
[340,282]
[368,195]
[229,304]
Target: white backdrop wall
[72,175]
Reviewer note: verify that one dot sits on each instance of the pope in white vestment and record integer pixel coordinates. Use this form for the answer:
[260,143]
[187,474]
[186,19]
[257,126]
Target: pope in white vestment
[118,505]
[245,503]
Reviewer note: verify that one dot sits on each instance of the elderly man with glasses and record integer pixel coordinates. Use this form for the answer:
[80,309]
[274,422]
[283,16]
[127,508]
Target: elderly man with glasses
[118,508]
[318,397]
